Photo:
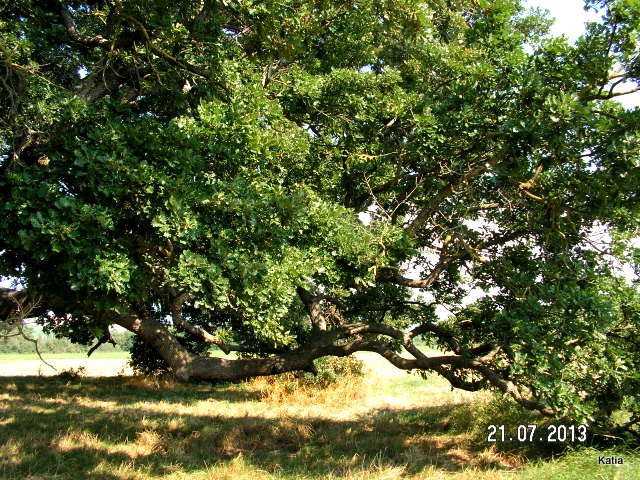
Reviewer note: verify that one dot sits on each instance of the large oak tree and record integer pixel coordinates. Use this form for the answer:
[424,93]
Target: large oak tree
[209,162]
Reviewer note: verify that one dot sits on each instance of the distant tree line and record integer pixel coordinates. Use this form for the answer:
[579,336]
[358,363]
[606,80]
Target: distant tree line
[52,344]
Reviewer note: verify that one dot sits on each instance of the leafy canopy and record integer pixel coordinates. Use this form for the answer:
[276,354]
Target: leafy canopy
[211,161]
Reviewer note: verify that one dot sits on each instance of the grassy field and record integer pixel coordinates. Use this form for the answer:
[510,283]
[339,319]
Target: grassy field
[384,427]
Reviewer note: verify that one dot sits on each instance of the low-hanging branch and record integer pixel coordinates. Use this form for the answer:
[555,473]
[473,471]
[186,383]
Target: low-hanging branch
[337,341]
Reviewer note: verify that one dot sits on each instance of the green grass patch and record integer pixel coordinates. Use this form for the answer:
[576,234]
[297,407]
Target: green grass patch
[581,464]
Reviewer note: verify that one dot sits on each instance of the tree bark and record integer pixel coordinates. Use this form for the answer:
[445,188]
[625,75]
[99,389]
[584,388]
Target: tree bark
[185,365]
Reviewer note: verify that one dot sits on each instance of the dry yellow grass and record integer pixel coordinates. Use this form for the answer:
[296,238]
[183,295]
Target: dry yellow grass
[379,427]
[286,392]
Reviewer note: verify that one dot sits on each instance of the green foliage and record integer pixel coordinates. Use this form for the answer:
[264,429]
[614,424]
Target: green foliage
[330,370]
[147,362]
[224,151]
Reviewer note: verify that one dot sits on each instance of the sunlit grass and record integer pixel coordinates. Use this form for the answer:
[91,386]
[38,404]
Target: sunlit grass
[384,426]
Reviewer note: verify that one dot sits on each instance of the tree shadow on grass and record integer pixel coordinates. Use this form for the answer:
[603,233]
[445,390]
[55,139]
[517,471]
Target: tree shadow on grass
[109,429]
[125,389]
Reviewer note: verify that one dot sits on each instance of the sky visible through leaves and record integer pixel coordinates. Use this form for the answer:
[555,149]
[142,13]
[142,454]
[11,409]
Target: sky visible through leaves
[570,17]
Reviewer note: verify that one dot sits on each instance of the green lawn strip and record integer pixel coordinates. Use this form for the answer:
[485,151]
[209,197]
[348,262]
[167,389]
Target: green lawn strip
[582,463]
[21,357]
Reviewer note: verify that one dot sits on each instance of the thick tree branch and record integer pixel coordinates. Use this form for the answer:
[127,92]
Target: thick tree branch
[186,365]
[439,364]
[106,338]
[178,319]
[70,25]
[312,303]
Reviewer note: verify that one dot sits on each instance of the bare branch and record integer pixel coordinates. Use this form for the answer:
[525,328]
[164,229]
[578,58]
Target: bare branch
[394,276]
[21,313]
[425,214]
